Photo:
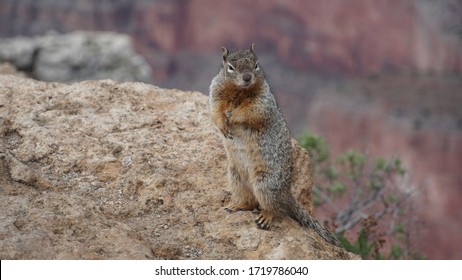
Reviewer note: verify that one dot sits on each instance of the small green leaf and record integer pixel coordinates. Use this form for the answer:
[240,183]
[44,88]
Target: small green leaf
[331,173]
[391,198]
[337,188]
[396,251]
[346,244]
[380,163]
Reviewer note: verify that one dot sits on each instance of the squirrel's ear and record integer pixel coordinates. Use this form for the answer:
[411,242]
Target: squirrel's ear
[225,53]
[252,46]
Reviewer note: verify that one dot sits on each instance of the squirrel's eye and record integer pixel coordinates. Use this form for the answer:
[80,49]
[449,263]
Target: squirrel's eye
[257,66]
[230,68]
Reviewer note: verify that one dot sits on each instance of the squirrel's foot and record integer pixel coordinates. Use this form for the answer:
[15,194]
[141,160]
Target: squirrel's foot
[264,220]
[238,207]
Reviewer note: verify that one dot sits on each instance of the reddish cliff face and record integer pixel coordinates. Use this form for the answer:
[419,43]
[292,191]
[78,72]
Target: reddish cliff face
[356,36]
[343,36]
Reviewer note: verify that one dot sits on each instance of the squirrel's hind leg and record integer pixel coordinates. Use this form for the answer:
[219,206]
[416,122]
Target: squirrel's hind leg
[269,198]
[245,199]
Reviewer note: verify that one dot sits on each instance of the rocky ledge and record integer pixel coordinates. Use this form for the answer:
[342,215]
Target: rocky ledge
[76,56]
[109,170]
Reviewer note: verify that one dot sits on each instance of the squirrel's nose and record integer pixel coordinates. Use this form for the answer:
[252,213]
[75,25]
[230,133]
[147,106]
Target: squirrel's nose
[247,77]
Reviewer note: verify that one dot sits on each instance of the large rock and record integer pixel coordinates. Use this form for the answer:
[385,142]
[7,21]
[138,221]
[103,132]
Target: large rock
[108,170]
[76,56]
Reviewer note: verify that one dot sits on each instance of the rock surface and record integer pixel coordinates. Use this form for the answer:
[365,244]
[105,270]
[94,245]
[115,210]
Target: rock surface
[76,56]
[109,170]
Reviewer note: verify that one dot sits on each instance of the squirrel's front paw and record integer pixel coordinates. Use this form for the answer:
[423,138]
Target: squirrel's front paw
[226,133]
[225,130]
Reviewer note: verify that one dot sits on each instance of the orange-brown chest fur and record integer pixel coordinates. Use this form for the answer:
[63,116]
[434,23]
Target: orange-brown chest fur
[232,96]
[240,105]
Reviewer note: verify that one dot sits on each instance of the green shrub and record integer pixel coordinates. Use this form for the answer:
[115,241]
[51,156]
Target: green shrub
[366,197]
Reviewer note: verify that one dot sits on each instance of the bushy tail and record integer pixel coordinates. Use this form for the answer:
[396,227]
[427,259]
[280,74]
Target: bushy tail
[304,219]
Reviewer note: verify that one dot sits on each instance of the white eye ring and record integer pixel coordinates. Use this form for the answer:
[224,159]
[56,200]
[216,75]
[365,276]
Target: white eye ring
[230,68]
[257,66]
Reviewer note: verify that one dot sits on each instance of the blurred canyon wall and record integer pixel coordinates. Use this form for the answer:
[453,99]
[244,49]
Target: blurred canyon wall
[356,36]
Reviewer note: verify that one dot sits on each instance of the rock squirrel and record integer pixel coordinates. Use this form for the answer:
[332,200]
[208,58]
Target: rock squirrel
[257,142]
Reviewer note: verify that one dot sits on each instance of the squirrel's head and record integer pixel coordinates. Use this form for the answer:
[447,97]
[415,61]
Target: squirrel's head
[241,67]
